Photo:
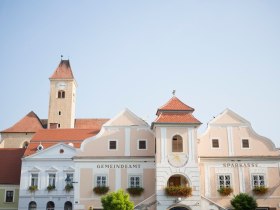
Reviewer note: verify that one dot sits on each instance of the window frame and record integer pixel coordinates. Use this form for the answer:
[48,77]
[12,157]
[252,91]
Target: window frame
[224,185]
[106,180]
[13,196]
[258,185]
[112,140]
[135,176]
[138,144]
[177,144]
[61,94]
[31,178]
[242,143]
[53,179]
[218,141]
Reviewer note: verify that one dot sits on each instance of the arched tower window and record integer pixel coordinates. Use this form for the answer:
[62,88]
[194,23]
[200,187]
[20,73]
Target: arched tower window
[61,94]
[177,144]
[25,145]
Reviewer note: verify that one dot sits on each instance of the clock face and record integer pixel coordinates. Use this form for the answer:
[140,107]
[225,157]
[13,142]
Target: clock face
[177,160]
[61,85]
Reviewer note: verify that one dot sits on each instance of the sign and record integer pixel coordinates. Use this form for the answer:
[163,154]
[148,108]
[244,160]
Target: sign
[239,164]
[121,165]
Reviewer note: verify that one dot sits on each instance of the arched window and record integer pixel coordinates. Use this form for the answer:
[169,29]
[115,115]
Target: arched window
[50,205]
[177,144]
[68,205]
[177,180]
[25,144]
[32,205]
[61,94]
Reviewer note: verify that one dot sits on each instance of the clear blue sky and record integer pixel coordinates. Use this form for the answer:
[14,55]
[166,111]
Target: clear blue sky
[216,54]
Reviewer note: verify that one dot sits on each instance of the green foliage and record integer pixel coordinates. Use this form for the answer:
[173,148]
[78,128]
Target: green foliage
[244,201]
[178,191]
[260,190]
[101,190]
[68,187]
[117,201]
[50,188]
[225,191]
[135,191]
[32,188]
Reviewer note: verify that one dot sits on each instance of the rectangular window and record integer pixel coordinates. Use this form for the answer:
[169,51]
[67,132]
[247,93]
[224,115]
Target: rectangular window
[101,181]
[258,180]
[34,180]
[134,181]
[69,178]
[142,144]
[224,180]
[9,196]
[51,179]
[245,143]
[112,145]
[215,143]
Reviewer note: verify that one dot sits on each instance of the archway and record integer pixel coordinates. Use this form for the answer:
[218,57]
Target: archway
[68,205]
[50,205]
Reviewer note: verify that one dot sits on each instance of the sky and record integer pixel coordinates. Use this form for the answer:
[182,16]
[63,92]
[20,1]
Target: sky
[132,54]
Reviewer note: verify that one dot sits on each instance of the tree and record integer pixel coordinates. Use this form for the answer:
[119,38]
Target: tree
[244,201]
[117,201]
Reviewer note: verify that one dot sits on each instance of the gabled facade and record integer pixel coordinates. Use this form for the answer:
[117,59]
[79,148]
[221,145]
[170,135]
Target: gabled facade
[233,157]
[121,156]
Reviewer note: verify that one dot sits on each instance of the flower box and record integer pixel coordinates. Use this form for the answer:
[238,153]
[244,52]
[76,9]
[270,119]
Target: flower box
[135,191]
[101,190]
[68,187]
[32,188]
[260,190]
[225,191]
[178,191]
[50,188]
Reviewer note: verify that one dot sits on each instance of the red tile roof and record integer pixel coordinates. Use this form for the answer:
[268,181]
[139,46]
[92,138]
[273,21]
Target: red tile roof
[63,71]
[50,137]
[90,123]
[10,163]
[29,124]
[174,104]
[177,118]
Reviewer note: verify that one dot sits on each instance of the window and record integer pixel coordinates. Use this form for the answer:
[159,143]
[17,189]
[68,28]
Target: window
[25,145]
[258,180]
[177,144]
[134,181]
[112,145]
[34,180]
[245,143]
[68,205]
[32,205]
[224,181]
[59,112]
[215,143]
[142,144]
[101,181]
[51,179]
[69,178]
[61,94]
[9,196]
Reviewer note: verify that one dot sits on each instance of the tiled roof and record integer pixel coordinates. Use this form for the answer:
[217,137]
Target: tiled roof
[177,118]
[50,137]
[10,163]
[174,104]
[29,124]
[63,71]
[89,123]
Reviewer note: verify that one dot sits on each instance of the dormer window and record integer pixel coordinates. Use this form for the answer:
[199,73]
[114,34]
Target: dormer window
[61,94]
[177,144]
[245,143]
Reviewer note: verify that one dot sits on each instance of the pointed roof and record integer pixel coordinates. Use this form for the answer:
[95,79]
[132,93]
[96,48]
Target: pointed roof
[10,160]
[175,104]
[28,124]
[63,71]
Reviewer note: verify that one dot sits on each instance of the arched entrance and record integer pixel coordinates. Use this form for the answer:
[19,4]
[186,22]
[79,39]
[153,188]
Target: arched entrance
[179,208]
[68,205]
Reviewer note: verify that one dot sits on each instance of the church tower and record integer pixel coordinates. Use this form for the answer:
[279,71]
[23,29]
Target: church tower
[177,171]
[62,97]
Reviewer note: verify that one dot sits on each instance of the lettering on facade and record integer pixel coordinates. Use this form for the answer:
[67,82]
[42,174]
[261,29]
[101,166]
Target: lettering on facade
[233,165]
[118,166]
